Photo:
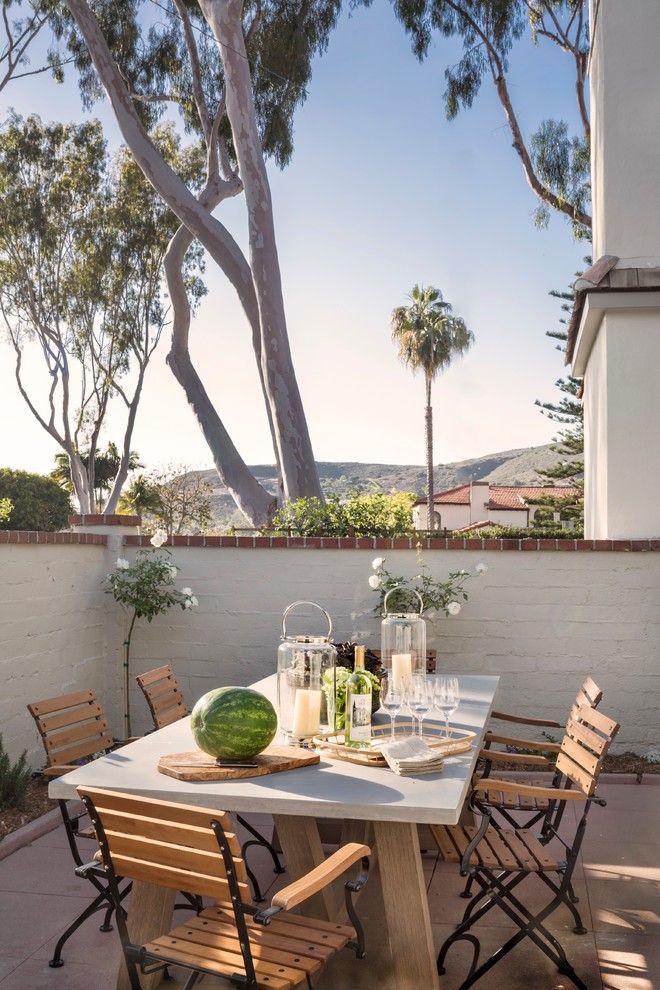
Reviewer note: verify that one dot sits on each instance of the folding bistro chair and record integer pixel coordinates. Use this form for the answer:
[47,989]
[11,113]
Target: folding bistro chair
[588,696]
[166,704]
[73,730]
[508,804]
[172,845]
[500,859]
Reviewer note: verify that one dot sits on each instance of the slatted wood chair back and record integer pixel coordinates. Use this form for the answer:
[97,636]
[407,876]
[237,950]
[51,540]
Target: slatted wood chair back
[72,727]
[589,696]
[164,696]
[585,744]
[171,845]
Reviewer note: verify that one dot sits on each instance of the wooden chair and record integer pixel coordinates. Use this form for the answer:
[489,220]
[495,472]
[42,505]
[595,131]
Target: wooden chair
[171,845]
[166,704]
[498,859]
[74,729]
[588,696]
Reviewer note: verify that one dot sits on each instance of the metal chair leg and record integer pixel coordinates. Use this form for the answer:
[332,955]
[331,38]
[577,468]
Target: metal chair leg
[261,840]
[95,905]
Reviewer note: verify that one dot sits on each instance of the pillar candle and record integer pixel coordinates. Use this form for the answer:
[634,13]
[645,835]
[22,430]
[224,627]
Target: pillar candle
[306,713]
[401,668]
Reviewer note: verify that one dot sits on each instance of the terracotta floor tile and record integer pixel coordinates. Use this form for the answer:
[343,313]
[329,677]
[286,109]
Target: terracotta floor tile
[624,887]
[629,961]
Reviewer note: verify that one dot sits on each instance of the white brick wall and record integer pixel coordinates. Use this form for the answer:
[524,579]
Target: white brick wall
[541,619]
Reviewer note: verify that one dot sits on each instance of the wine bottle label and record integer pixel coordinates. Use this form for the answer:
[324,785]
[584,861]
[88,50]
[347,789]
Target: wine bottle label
[359,718]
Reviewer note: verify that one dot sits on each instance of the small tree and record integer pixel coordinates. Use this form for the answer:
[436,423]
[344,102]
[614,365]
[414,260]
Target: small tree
[6,505]
[82,241]
[146,589]
[14,779]
[176,499]
[429,337]
[37,502]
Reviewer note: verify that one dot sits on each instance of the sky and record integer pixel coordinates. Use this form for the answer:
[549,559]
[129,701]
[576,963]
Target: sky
[382,193]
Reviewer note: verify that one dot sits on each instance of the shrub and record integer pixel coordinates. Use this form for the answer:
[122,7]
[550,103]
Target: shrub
[38,502]
[14,778]
[359,515]
[519,533]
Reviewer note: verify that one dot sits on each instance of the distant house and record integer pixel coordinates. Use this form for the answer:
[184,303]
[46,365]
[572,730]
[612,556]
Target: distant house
[481,504]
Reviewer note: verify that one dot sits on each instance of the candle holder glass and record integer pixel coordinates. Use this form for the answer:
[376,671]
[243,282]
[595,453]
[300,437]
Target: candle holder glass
[403,638]
[306,682]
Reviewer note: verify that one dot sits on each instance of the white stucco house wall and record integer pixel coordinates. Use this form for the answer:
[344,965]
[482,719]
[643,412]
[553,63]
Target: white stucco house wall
[480,503]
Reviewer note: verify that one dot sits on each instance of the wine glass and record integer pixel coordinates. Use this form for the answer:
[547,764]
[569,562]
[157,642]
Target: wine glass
[391,699]
[421,698]
[447,697]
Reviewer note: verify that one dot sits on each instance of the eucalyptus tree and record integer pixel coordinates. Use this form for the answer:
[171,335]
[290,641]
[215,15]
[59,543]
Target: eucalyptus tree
[82,241]
[235,73]
[554,161]
[429,337]
[21,23]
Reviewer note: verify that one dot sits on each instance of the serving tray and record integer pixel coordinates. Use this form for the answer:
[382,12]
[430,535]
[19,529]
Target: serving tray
[196,765]
[332,743]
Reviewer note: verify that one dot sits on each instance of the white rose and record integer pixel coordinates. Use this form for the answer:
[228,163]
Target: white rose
[374,582]
[159,538]
[194,602]
[122,564]
[172,571]
[186,591]
[453,608]
[377,563]
[481,568]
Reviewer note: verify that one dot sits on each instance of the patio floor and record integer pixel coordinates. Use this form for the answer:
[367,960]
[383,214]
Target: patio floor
[618,882]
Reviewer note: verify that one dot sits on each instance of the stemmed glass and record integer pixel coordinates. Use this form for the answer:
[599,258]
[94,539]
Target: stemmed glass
[391,699]
[447,697]
[421,698]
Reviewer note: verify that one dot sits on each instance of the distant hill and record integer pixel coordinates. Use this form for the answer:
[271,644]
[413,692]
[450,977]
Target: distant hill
[509,467]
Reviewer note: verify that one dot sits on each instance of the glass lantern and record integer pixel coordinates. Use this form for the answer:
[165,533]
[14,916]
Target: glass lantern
[306,682]
[403,641]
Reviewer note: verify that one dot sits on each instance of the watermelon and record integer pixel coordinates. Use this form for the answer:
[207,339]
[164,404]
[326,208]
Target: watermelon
[233,723]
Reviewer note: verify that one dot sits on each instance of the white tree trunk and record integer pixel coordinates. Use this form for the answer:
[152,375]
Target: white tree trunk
[295,450]
[292,438]
[257,504]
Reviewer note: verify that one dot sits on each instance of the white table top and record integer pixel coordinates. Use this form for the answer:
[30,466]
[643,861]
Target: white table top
[331,789]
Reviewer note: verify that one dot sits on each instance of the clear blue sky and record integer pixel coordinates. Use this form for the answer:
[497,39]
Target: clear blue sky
[382,192]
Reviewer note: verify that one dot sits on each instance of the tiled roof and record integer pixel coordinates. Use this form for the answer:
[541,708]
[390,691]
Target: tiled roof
[503,496]
[517,496]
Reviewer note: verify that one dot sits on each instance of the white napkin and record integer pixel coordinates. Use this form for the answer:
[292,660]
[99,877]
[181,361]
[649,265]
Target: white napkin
[410,756]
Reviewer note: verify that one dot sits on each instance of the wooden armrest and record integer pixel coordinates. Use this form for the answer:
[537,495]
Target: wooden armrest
[528,790]
[495,756]
[57,771]
[523,743]
[318,878]
[524,720]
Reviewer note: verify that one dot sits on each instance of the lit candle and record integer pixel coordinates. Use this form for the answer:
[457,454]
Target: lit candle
[306,713]
[401,669]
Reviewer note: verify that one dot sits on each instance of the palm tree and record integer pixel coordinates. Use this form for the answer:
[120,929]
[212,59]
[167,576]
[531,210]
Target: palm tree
[429,337]
[106,466]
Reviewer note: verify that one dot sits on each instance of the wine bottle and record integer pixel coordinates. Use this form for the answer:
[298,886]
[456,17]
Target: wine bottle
[357,730]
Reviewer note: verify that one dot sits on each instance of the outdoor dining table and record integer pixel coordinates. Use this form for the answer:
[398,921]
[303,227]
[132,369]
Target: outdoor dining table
[374,804]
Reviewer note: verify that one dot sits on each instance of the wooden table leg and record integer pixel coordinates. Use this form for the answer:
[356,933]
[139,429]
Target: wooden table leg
[406,907]
[303,851]
[149,914]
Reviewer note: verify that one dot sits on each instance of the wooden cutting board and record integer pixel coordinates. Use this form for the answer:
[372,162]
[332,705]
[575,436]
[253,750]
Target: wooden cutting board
[200,766]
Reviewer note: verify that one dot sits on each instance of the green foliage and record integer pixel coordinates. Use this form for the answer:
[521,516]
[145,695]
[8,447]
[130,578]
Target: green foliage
[283,40]
[146,587]
[519,533]
[6,505]
[429,336]
[38,503]
[359,515]
[562,162]
[176,498]
[14,779]
[106,466]
[436,595]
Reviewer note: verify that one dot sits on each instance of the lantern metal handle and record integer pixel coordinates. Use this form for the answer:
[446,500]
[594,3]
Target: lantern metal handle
[314,605]
[412,591]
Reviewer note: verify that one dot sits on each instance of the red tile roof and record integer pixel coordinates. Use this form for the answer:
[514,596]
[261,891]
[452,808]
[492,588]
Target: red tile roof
[503,496]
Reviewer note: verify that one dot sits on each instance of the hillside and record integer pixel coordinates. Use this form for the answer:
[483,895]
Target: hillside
[508,467]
